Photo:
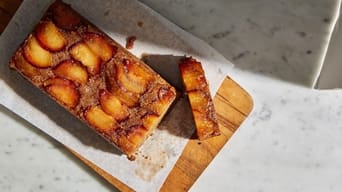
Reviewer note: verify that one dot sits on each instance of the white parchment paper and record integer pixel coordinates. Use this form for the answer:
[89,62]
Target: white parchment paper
[159,42]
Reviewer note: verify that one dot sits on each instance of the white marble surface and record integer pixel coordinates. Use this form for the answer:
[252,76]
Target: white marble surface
[292,139]
[277,38]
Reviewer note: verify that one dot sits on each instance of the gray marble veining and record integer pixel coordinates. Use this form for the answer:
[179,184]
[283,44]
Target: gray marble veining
[32,161]
[278,38]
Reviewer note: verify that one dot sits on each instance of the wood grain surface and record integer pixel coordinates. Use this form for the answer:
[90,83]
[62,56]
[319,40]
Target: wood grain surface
[232,104]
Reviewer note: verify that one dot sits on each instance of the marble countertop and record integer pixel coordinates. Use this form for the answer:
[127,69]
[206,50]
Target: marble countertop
[290,142]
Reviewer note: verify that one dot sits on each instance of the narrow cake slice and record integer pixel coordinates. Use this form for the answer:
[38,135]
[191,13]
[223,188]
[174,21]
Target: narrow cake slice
[94,77]
[202,106]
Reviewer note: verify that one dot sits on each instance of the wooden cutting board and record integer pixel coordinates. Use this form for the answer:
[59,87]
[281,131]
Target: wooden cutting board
[232,104]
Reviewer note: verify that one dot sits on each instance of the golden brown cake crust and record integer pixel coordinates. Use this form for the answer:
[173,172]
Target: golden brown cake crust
[93,77]
[202,106]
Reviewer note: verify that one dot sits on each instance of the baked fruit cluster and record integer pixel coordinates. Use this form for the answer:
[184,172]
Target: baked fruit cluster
[197,89]
[93,77]
[103,84]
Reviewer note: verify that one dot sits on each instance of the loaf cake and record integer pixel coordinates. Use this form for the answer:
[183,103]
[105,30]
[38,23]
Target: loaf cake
[197,89]
[93,77]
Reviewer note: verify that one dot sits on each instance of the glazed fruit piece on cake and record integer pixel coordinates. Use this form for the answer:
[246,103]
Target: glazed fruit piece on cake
[201,103]
[93,77]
